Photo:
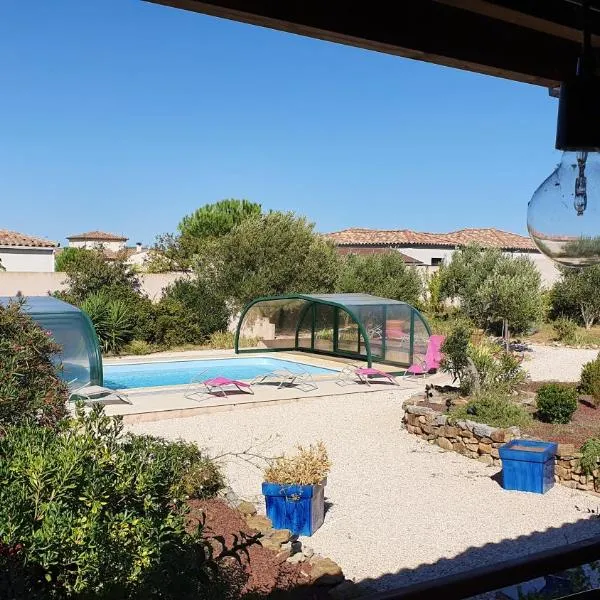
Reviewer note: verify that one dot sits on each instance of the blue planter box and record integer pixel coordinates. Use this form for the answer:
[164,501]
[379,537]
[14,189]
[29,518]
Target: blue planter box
[299,508]
[528,465]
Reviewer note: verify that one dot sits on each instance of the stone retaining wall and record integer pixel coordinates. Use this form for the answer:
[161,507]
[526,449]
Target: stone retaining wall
[481,442]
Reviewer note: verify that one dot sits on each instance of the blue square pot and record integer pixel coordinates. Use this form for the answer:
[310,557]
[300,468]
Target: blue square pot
[299,508]
[528,465]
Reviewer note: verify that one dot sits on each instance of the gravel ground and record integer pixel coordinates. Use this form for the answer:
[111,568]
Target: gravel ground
[400,510]
[547,363]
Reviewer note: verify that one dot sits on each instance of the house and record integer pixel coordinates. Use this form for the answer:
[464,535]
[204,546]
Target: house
[26,253]
[429,250]
[98,239]
[113,246]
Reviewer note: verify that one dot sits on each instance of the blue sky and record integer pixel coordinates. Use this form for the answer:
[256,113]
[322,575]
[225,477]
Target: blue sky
[123,116]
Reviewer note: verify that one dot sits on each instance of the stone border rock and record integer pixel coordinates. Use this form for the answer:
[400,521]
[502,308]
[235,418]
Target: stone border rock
[481,442]
[322,571]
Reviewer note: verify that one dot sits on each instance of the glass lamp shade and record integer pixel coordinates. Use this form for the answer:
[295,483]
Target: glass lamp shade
[563,216]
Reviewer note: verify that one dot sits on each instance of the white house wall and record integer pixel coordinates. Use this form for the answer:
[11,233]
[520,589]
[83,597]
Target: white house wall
[27,260]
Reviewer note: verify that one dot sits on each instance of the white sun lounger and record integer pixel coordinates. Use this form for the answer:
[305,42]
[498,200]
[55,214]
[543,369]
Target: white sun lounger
[97,394]
[300,379]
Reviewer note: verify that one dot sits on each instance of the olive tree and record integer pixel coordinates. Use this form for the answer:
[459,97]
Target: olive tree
[276,253]
[385,275]
[494,289]
[577,295]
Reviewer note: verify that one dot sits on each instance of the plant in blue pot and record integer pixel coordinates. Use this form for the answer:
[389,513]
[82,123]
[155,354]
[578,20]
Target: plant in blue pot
[294,489]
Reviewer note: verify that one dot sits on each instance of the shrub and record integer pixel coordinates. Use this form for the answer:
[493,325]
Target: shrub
[222,340]
[30,386]
[308,467]
[556,403]
[590,455]
[456,350]
[590,380]
[89,272]
[494,408]
[194,475]
[566,330]
[102,515]
[139,347]
[112,320]
[189,313]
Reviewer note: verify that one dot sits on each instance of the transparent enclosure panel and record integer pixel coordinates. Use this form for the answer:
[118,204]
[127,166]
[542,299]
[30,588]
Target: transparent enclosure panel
[397,333]
[372,318]
[324,323]
[78,350]
[271,324]
[305,328]
[421,339]
[348,333]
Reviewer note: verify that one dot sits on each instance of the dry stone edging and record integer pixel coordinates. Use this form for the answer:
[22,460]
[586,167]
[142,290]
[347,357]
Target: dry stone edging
[482,442]
[322,570]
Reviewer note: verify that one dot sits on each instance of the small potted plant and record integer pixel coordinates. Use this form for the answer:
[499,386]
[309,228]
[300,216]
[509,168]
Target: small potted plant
[294,489]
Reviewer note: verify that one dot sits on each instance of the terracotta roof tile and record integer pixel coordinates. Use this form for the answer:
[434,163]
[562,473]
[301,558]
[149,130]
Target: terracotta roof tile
[486,237]
[14,238]
[100,236]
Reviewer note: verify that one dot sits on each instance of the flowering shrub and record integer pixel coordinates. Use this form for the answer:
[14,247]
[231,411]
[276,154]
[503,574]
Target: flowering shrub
[29,383]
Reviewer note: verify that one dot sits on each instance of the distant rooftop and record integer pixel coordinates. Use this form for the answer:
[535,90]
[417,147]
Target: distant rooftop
[98,236]
[486,237]
[14,238]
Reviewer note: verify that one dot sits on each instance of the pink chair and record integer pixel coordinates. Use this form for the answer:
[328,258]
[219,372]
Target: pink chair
[218,384]
[433,358]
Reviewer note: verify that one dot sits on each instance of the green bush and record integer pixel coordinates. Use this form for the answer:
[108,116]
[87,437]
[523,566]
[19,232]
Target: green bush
[590,455]
[565,329]
[493,408]
[102,515]
[112,320]
[30,387]
[139,348]
[456,351]
[590,380]
[556,403]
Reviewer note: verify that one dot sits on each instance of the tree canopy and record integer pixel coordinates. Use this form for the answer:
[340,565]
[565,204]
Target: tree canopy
[494,288]
[276,253]
[383,275]
[576,295]
[175,252]
[217,219]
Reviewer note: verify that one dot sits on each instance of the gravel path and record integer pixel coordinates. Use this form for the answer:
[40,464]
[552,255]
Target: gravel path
[547,363]
[401,510]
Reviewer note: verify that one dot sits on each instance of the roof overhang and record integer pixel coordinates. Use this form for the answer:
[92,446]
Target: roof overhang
[10,247]
[524,40]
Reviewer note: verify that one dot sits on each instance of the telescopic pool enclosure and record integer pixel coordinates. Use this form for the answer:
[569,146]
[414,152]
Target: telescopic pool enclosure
[357,326]
[70,328]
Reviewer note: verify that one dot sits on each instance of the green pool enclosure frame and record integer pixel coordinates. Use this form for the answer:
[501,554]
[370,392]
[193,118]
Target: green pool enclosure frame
[355,326]
[72,329]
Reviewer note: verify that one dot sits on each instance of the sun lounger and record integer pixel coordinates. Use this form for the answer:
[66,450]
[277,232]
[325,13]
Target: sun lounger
[220,385]
[97,394]
[358,374]
[432,360]
[298,378]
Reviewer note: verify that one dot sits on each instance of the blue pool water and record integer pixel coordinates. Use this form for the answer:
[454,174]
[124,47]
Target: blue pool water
[185,371]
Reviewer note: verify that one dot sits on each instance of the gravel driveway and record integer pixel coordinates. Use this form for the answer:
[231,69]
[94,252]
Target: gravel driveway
[400,510]
[548,363]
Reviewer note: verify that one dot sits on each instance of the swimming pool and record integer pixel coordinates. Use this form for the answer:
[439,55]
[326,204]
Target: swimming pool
[180,372]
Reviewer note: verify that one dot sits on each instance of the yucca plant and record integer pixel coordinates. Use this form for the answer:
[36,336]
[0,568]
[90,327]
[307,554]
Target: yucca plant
[112,319]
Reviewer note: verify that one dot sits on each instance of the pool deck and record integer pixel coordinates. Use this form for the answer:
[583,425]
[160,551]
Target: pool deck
[170,402]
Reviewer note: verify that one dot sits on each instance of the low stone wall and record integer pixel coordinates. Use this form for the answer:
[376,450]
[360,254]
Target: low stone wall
[481,442]
[468,438]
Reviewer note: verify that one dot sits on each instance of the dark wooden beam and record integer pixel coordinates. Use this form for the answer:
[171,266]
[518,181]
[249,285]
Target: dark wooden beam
[448,33]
